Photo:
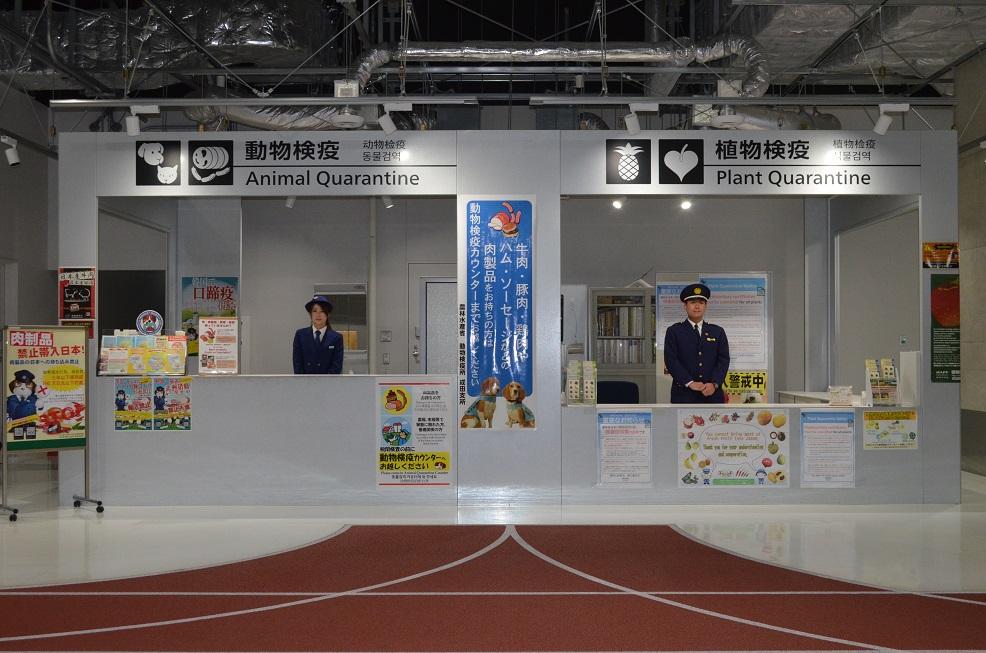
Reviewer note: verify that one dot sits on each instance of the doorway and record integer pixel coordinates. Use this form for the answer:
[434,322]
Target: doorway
[432,318]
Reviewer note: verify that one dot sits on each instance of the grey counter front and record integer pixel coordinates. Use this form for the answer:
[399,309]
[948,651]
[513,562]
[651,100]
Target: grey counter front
[311,440]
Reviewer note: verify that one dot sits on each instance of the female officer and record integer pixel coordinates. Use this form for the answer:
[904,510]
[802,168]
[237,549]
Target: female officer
[317,348]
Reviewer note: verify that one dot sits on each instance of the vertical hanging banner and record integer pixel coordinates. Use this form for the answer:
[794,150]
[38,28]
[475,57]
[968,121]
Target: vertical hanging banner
[44,369]
[496,328]
[414,432]
[76,293]
[206,297]
[946,361]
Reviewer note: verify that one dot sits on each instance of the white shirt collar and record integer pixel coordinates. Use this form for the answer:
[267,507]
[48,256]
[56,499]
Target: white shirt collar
[700,324]
[321,331]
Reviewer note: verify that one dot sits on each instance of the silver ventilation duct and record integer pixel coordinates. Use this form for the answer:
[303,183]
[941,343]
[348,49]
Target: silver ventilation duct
[757,119]
[108,43]
[755,82]
[590,121]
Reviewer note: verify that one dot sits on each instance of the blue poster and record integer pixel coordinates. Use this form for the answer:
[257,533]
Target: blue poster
[499,299]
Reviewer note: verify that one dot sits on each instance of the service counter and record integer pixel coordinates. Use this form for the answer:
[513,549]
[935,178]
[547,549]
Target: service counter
[311,440]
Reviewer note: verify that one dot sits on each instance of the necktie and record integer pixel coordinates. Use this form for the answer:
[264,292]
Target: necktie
[318,338]
[697,334]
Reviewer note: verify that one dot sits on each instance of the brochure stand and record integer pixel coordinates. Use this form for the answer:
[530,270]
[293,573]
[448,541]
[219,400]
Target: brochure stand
[50,363]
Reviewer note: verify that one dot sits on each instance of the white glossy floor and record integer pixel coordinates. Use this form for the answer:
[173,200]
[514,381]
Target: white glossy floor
[909,548]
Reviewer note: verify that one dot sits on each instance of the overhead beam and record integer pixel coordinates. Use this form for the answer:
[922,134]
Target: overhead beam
[944,70]
[891,3]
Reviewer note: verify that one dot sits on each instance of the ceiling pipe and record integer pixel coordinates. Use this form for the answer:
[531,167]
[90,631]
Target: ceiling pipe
[755,82]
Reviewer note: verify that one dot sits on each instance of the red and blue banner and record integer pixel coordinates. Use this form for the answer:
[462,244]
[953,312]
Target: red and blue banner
[499,300]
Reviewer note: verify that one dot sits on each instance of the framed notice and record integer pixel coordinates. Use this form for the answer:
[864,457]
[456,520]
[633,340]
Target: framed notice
[219,345]
[895,430]
[624,447]
[77,294]
[45,373]
[827,449]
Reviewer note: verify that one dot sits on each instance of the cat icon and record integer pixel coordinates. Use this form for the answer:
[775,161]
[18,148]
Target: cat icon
[167,174]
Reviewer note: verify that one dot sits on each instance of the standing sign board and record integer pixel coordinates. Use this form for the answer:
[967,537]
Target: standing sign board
[47,367]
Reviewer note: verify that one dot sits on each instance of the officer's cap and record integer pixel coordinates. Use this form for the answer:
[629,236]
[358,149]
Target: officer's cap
[23,376]
[321,300]
[696,291]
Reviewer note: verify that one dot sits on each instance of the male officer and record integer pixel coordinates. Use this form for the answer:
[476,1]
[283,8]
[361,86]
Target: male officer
[696,353]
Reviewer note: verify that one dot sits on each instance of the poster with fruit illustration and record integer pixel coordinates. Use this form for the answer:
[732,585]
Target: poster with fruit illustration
[945,361]
[729,447]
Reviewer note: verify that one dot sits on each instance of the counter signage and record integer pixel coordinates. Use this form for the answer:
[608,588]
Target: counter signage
[730,446]
[890,429]
[624,450]
[828,452]
[730,162]
[219,345]
[45,370]
[496,357]
[414,432]
[946,363]
[301,163]
[153,403]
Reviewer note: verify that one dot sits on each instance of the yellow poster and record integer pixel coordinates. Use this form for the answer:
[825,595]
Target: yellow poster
[44,372]
[745,387]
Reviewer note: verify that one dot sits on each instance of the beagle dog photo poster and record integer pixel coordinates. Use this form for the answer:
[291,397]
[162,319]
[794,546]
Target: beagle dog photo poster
[496,311]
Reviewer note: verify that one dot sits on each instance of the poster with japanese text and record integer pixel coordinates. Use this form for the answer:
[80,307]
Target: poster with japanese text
[745,386]
[739,305]
[828,452]
[44,371]
[219,351]
[496,327]
[624,447]
[172,397]
[733,446]
[76,293]
[890,429]
[133,410]
[414,445]
[946,360]
[940,255]
[206,297]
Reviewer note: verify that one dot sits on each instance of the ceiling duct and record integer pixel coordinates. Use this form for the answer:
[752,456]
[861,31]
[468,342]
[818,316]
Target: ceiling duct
[757,119]
[754,83]
[590,121]
[268,33]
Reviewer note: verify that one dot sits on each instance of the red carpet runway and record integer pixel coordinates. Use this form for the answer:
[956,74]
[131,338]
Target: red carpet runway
[489,588]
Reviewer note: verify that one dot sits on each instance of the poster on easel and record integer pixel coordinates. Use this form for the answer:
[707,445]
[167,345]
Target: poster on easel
[44,371]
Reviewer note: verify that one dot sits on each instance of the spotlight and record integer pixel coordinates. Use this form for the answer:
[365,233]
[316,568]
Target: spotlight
[885,120]
[133,120]
[133,125]
[632,123]
[686,204]
[289,201]
[388,201]
[618,202]
[13,158]
[387,124]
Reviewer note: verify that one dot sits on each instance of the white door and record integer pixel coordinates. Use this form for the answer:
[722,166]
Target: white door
[432,335]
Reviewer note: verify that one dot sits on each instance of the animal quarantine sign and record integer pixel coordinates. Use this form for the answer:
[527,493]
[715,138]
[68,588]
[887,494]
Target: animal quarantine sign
[414,432]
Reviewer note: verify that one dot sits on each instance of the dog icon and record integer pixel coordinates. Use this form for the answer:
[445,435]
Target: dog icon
[480,414]
[151,153]
[517,412]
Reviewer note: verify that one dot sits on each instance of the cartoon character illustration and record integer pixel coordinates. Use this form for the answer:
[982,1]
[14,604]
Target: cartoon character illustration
[506,222]
[517,412]
[121,400]
[761,476]
[51,420]
[395,400]
[151,153]
[166,174]
[159,400]
[24,400]
[480,413]
[395,435]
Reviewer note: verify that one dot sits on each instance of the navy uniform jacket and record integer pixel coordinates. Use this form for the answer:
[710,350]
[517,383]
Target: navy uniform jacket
[688,358]
[326,359]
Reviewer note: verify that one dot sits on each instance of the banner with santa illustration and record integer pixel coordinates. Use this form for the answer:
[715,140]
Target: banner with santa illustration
[496,309]
[44,371]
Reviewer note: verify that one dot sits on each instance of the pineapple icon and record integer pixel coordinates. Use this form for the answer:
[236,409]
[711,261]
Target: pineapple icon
[628,166]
